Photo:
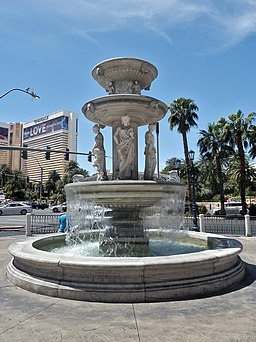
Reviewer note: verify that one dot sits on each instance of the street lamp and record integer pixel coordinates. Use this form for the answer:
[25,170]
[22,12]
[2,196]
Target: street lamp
[177,166]
[26,91]
[193,175]
[41,178]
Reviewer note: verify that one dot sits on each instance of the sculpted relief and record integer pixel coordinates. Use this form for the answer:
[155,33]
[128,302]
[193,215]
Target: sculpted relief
[99,162]
[125,147]
[150,153]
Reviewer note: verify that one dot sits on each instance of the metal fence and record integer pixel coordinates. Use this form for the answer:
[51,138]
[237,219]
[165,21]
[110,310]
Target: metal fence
[253,225]
[44,224]
[223,225]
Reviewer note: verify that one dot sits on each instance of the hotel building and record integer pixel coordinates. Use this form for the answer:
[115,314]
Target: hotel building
[11,135]
[57,131]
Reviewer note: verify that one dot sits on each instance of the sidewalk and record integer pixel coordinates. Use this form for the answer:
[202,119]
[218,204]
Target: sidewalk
[12,227]
[231,317]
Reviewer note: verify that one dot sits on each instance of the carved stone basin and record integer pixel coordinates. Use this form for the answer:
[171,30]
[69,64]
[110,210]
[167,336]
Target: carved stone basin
[108,110]
[119,70]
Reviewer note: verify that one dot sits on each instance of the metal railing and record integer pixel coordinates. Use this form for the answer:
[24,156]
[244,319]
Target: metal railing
[236,226]
[223,225]
[43,224]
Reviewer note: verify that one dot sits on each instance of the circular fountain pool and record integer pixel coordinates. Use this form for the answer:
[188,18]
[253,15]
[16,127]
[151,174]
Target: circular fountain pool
[163,244]
[130,279]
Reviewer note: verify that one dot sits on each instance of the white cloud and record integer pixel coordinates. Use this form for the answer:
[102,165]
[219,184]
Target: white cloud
[226,21]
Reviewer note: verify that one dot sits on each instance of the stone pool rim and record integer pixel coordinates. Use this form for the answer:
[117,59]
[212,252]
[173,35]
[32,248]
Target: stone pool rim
[129,279]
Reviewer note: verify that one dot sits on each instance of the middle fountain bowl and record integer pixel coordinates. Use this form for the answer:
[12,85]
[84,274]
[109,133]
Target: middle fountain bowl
[135,208]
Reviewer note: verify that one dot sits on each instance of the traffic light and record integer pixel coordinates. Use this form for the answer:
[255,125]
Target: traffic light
[3,179]
[48,153]
[24,153]
[66,157]
[27,179]
[90,156]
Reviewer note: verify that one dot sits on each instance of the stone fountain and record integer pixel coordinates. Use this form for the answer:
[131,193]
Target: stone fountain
[125,110]
[141,208]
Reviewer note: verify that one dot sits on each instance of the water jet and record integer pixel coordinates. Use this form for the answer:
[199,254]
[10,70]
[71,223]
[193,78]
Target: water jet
[140,208]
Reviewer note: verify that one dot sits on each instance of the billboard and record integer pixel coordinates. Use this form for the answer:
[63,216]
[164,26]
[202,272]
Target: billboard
[45,127]
[4,133]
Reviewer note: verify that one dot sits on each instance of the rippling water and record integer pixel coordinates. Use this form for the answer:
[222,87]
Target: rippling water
[155,248]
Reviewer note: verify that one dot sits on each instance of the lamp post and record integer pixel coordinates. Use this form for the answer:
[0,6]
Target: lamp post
[26,91]
[41,178]
[193,175]
[177,166]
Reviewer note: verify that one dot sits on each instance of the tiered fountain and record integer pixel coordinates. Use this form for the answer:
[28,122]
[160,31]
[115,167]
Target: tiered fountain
[128,198]
[141,211]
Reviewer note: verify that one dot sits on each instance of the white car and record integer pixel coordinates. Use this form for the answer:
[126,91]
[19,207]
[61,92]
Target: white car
[58,207]
[15,208]
[231,208]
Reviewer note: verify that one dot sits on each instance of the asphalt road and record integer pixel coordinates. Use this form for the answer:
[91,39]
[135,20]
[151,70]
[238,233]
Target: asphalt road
[13,225]
[20,220]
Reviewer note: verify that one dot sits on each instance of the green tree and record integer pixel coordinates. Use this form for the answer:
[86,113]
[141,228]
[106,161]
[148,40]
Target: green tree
[234,172]
[51,184]
[15,185]
[239,132]
[183,116]
[215,151]
[4,171]
[72,168]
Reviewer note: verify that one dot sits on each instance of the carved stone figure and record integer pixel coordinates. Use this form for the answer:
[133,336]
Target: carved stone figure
[124,139]
[99,72]
[136,88]
[78,178]
[90,107]
[99,162]
[173,176]
[150,153]
[123,87]
[111,88]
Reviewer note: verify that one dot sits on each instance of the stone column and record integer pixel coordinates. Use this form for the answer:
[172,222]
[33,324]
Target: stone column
[29,225]
[248,228]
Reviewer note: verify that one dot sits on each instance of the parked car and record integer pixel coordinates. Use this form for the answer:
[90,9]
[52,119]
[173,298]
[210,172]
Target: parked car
[187,207]
[15,208]
[231,208]
[58,207]
[39,205]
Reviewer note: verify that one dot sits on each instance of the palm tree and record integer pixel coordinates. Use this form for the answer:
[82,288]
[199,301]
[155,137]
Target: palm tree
[239,133]
[235,173]
[215,151]
[183,116]
[15,185]
[207,183]
[51,184]
[4,170]
[71,169]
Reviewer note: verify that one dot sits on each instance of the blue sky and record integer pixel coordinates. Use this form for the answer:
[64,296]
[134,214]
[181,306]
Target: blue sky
[203,49]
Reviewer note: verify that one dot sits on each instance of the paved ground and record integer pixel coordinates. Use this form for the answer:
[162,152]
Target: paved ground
[230,317]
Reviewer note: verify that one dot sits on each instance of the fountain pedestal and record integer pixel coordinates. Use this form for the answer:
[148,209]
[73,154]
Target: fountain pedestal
[124,233]
[126,203]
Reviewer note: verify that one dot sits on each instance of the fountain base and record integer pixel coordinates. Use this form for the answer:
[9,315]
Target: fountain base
[126,280]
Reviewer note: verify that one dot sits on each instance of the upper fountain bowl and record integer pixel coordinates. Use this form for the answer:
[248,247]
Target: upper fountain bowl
[124,69]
